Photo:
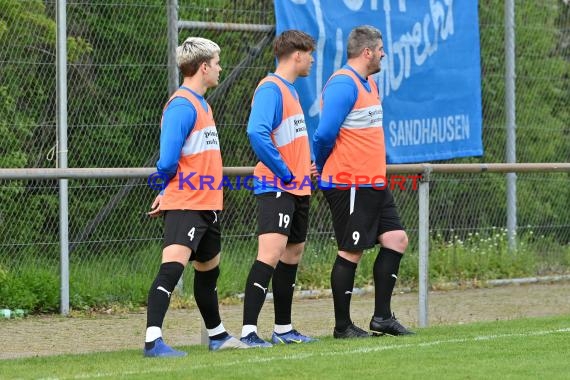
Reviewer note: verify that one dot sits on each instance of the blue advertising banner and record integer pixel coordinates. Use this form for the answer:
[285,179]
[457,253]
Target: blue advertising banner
[430,83]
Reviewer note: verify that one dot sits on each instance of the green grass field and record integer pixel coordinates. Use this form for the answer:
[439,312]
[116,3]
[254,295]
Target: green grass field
[519,349]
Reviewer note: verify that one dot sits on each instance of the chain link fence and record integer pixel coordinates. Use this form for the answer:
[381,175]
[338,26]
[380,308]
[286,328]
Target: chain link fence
[118,83]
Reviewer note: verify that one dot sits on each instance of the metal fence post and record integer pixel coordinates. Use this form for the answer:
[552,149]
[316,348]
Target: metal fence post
[423,242]
[511,156]
[172,36]
[204,338]
[61,148]
[172,17]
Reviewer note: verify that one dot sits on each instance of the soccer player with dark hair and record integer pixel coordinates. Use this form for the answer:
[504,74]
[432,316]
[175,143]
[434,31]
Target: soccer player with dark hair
[278,136]
[349,143]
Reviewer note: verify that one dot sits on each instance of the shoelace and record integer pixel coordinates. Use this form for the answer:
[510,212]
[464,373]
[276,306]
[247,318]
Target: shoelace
[296,333]
[255,339]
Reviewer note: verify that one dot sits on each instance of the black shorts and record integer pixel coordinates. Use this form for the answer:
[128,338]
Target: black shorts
[283,213]
[373,213]
[196,229]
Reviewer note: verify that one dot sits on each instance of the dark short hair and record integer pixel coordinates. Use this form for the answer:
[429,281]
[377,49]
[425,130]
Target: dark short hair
[361,37]
[290,41]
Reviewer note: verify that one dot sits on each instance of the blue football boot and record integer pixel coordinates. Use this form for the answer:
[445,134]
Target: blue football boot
[252,340]
[292,336]
[227,343]
[162,350]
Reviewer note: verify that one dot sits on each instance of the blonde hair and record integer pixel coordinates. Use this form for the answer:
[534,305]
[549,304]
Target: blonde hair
[193,52]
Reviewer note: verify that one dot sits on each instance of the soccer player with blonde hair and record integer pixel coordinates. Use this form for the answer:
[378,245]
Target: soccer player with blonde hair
[189,144]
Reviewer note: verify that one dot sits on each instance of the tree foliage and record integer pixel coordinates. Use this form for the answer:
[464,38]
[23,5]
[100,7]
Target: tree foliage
[117,83]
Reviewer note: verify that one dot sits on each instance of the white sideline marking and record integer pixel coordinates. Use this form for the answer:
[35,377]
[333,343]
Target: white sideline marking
[310,354]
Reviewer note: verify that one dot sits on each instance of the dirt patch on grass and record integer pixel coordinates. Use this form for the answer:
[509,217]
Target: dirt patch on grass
[53,335]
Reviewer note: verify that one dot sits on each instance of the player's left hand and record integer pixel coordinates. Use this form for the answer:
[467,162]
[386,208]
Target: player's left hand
[155,207]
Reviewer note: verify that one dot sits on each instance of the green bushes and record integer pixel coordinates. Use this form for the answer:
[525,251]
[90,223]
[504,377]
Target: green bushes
[117,85]
[34,289]
[99,284]
[480,258]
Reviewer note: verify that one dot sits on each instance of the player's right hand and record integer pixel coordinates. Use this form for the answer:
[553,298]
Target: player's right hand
[314,172]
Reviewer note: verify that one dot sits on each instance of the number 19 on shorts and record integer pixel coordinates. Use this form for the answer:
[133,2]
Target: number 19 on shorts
[284,220]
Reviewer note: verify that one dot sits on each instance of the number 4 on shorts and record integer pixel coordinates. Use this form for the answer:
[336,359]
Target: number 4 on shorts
[191,233]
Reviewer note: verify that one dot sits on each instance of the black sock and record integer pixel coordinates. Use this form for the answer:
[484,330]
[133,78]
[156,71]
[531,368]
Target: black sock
[283,285]
[206,295]
[342,282]
[255,291]
[159,294]
[385,275]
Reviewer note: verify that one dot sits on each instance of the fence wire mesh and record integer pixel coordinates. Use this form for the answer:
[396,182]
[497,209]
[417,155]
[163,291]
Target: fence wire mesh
[118,83]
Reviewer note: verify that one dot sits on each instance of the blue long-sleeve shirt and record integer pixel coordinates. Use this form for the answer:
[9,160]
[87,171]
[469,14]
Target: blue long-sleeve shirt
[339,96]
[266,115]
[178,121]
